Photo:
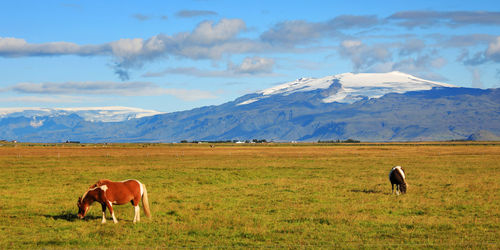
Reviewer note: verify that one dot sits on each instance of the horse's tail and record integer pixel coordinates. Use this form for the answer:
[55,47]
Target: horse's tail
[145,202]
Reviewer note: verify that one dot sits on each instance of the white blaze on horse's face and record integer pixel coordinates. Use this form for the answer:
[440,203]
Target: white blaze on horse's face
[104,188]
[82,210]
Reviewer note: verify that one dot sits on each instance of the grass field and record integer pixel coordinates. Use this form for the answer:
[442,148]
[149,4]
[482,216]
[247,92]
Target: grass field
[270,195]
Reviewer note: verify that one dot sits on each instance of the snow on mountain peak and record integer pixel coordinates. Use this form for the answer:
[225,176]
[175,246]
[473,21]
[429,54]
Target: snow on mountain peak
[351,87]
[93,114]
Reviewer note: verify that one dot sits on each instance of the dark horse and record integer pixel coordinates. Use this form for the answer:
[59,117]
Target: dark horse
[397,177]
[108,193]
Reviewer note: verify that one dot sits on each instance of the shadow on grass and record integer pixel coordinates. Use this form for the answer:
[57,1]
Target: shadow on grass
[366,191]
[69,216]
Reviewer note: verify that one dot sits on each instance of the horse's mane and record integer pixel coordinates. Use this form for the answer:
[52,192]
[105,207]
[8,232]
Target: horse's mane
[94,186]
[99,183]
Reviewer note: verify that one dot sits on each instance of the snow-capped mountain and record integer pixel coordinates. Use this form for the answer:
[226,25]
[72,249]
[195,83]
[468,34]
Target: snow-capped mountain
[368,107]
[91,114]
[349,87]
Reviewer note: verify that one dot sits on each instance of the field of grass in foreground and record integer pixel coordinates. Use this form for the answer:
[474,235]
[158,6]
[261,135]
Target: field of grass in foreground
[255,196]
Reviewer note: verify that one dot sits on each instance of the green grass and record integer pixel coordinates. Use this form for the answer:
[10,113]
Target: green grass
[273,195]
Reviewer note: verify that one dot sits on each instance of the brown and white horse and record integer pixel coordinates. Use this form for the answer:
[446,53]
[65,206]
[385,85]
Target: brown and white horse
[397,177]
[110,193]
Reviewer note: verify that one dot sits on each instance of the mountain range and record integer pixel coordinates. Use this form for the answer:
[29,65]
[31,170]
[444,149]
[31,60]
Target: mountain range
[367,106]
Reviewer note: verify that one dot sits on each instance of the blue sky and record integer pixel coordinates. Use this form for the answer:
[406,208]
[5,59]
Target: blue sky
[170,56]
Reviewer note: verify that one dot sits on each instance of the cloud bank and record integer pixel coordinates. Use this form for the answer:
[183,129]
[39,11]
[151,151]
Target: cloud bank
[208,40]
[296,32]
[427,19]
[251,66]
[105,89]
[214,41]
[16,47]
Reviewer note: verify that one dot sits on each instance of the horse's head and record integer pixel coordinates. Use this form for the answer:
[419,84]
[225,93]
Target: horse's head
[403,188]
[83,207]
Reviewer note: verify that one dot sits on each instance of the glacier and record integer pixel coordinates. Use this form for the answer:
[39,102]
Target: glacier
[91,114]
[351,87]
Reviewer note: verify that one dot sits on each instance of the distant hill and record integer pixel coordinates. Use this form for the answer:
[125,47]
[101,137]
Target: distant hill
[93,114]
[368,107]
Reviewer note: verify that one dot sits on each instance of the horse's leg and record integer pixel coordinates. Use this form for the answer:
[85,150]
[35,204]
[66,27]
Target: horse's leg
[137,216]
[103,213]
[110,207]
[392,185]
[397,189]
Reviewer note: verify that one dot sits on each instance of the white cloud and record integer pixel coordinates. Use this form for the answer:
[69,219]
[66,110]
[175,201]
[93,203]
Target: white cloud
[15,47]
[493,51]
[476,77]
[211,40]
[411,57]
[292,33]
[190,71]
[131,53]
[428,19]
[382,67]
[439,62]
[209,33]
[195,13]
[254,65]
[468,40]
[141,17]
[364,56]
[46,99]
[411,46]
[421,66]
[73,91]
[125,48]
[348,44]
[296,32]
[88,88]
[208,40]
[10,43]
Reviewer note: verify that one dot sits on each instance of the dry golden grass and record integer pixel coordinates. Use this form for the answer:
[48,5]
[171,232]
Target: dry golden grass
[287,195]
